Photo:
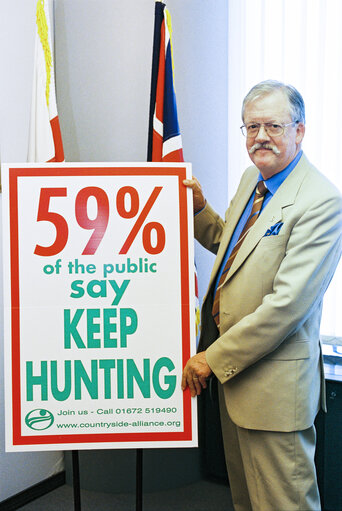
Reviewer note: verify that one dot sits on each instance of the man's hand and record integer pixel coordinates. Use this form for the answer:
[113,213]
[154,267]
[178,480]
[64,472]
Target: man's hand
[199,199]
[195,374]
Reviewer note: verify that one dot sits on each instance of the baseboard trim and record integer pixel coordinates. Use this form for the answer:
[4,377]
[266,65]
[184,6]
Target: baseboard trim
[32,493]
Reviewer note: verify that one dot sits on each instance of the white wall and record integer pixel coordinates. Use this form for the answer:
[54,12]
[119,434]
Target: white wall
[18,471]
[103,71]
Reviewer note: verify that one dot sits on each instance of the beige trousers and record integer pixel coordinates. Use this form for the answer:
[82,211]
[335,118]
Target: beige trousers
[270,470]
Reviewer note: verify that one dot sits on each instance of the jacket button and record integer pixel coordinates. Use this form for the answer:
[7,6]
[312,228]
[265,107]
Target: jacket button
[231,371]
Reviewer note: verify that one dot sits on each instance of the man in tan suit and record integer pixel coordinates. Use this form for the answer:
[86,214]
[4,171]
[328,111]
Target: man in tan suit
[262,340]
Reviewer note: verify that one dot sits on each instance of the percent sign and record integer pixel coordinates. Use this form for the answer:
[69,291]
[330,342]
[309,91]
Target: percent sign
[148,228]
[100,222]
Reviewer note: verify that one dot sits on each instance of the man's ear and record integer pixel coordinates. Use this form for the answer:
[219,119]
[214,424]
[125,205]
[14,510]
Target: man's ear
[300,132]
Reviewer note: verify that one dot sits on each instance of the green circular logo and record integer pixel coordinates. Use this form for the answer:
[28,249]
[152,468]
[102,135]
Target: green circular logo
[39,419]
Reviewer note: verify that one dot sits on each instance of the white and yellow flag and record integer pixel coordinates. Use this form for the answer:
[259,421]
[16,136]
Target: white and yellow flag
[45,140]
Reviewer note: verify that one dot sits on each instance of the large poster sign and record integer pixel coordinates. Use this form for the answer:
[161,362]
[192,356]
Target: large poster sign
[99,305]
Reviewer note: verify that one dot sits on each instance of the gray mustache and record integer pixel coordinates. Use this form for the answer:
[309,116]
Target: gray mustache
[265,146]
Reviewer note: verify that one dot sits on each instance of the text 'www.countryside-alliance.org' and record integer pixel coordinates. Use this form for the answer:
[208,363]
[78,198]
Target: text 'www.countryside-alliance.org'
[120,424]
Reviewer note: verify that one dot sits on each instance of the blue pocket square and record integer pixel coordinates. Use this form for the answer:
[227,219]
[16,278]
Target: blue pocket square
[274,230]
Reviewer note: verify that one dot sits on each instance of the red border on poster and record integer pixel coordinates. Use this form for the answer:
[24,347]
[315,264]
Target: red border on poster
[29,172]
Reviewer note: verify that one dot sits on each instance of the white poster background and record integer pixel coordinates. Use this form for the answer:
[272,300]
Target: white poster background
[104,416]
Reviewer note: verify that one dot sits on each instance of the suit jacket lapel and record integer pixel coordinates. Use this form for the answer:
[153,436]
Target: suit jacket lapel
[273,213]
[241,199]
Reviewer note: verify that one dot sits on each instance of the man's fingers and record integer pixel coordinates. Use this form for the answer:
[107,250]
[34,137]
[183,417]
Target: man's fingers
[184,383]
[194,383]
[198,197]
[198,386]
[194,386]
[203,381]
[194,184]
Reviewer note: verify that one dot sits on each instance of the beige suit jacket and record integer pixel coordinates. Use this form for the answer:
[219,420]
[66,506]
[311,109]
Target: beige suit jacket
[267,354]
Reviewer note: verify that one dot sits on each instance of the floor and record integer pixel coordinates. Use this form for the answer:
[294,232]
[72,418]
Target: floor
[200,496]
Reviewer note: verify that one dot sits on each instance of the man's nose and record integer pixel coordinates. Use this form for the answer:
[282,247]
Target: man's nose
[262,135]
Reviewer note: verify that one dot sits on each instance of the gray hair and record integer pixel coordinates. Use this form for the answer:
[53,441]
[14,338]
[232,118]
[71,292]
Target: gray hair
[297,107]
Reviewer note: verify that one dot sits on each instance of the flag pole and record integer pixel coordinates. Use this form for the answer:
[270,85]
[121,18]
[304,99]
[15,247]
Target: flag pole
[158,16]
[139,480]
[76,480]
[154,74]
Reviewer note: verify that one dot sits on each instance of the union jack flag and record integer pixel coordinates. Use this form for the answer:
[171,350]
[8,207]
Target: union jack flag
[165,141]
[164,138]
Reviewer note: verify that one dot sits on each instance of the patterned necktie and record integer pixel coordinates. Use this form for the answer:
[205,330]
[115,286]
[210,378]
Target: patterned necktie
[256,207]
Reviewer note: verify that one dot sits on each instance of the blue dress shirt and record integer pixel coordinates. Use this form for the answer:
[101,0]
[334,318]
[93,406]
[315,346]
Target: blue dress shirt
[272,184]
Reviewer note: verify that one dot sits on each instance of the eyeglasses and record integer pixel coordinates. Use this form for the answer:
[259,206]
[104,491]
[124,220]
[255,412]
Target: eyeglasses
[272,129]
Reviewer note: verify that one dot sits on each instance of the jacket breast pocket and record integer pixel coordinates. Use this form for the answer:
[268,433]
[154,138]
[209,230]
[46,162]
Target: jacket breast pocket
[267,242]
[268,256]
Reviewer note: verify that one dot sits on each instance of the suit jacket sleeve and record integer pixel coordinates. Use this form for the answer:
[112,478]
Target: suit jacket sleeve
[209,233]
